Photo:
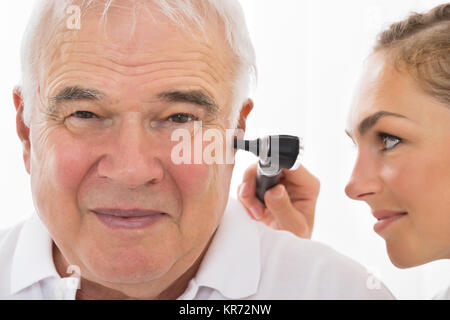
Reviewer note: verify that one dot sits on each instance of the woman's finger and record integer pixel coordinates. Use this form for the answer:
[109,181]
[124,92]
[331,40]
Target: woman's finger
[287,216]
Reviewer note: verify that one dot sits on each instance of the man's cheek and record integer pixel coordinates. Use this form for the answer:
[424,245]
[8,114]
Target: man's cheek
[58,169]
[68,163]
[194,180]
[202,186]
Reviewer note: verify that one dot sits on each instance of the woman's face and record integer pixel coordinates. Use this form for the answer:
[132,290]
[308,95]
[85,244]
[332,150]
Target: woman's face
[403,165]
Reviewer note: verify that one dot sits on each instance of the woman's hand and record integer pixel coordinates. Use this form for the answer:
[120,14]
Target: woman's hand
[290,204]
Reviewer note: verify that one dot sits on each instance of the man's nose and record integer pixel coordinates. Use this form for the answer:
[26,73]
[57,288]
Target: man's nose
[364,182]
[133,158]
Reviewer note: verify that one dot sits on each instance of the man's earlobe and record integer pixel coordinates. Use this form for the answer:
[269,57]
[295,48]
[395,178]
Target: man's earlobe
[245,111]
[22,130]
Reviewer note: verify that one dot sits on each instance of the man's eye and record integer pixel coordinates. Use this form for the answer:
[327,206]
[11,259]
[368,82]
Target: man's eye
[389,141]
[84,115]
[181,118]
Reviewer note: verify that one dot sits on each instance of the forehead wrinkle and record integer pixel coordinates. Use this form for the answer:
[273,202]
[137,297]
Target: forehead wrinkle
[122,60]
[57,23]
[72,71]
[58,73]
[69,41]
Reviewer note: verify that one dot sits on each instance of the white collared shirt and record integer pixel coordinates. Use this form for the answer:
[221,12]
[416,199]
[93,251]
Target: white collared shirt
[245,260]
[443,294]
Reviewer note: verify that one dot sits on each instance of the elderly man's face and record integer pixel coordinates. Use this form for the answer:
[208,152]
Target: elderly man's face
[101,142]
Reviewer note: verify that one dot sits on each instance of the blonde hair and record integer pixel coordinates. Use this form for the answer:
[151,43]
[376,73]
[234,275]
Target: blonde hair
[421,43]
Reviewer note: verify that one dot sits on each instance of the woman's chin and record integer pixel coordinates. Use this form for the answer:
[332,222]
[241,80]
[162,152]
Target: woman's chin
[403,258]
[401,264]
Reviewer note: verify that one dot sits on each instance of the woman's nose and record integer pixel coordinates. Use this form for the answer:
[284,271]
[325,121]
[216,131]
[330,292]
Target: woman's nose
[134,158]
[364,182]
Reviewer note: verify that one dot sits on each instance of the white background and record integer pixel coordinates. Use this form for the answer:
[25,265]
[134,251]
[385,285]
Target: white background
[309,57]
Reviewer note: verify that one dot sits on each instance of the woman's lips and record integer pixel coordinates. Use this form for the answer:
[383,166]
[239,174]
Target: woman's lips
[386,217]
[128,219]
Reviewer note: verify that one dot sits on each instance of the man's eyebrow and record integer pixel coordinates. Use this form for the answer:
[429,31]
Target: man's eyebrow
[72,94]
[370,121]
[198,97]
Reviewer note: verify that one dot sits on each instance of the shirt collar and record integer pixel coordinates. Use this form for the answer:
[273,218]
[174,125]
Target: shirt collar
[232,263]
[33,258]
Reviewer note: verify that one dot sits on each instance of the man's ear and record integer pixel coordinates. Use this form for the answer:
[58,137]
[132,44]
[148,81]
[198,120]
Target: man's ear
[241,126]
[245,111]
[22,130]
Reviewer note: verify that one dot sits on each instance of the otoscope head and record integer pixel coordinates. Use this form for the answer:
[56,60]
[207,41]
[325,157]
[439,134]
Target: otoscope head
[280,150]
[275,153]
[289,150]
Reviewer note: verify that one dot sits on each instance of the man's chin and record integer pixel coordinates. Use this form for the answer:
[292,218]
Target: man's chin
[131,263]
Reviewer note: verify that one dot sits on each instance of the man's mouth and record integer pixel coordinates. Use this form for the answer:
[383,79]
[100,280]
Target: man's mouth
[128,219]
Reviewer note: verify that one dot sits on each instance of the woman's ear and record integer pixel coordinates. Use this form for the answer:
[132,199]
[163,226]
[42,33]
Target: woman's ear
[22,130]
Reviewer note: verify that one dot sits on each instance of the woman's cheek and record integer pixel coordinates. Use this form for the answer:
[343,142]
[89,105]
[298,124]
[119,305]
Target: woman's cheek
[403,178]
[415,185]
[392,177]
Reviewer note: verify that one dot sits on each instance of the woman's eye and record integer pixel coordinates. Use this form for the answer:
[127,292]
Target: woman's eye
[389,141]
[84,115]
[181,118]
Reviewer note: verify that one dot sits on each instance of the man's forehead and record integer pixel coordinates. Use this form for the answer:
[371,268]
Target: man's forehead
[143,34]
[152,48]
[130,24]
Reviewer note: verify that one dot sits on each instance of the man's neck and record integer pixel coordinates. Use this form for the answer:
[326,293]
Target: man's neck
[90,290]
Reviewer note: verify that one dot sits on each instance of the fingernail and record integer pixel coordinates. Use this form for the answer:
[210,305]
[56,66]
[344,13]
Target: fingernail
[256,213]
[244,190]
[278,193]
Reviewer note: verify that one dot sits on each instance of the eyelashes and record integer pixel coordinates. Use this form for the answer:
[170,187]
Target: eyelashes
[182,118]
[178,118]
[385,140]
[388,141]
[84,115]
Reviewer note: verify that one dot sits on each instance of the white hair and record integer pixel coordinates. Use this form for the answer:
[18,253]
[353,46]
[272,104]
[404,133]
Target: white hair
[183,13]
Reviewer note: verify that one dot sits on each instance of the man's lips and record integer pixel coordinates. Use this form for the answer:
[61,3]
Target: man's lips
[127,219]
[386,217]
[133,213]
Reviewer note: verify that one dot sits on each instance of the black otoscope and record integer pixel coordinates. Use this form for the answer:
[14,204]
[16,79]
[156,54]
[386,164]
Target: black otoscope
[275,153]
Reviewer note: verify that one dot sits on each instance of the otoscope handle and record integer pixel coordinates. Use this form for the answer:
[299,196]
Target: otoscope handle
[265,182]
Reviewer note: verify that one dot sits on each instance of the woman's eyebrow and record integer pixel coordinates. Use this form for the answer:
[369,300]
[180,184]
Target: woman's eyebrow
[347,132]
[370,121]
